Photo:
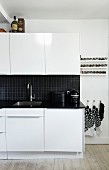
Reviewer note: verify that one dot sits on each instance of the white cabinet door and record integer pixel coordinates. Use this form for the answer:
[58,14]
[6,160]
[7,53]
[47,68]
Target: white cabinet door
[63,130]
[3,154]
[4,54]
[24,130]
[27,53]
[2,142]
[62,53]
[2,124]
[2,112]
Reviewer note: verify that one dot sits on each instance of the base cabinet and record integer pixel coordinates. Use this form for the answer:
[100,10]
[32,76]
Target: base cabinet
[46,132]
[2,124]
[2,142]
[24,130]
[63,130]
[3,151]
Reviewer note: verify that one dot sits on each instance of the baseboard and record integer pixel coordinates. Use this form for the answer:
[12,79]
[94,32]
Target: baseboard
[3,155]
[44,155]
[96,140]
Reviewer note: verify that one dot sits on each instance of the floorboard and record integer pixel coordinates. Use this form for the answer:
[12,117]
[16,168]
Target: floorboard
[96,157]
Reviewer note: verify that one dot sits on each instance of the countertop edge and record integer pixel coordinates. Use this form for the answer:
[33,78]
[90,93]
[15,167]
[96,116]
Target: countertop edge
[45,104]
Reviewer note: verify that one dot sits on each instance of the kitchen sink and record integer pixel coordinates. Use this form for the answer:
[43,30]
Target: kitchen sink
[27,103]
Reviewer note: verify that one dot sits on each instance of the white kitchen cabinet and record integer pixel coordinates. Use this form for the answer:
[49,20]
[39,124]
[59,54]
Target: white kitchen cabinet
[2,124]
[64,130]
[2,112]
[2,142]
[3,153]
[39,53]
[27,53]
[62,53]
[2,131]
[24,129]
[4,54]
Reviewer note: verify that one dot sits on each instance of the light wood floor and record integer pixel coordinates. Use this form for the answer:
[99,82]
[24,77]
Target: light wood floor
[96,157]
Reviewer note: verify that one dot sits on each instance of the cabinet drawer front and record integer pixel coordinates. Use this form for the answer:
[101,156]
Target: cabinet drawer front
[2,142]
[2,112]
[2,124]
[24,112]
[25,134]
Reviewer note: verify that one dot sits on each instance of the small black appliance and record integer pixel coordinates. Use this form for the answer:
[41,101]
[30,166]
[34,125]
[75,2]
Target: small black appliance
[58,97]
[72,96]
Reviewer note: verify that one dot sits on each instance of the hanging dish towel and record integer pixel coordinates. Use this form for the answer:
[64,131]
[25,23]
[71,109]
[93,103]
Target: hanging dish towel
[89,122]
[101,111]
[92,121]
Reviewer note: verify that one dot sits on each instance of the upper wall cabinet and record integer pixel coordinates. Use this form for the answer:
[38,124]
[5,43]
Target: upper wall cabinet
[62,53]
[4,53]
[27,53]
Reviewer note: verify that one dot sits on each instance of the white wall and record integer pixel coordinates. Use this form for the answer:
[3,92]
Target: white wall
[5,26]
[93,42]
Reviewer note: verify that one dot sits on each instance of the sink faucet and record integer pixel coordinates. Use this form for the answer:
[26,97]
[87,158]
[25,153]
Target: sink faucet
[29,86]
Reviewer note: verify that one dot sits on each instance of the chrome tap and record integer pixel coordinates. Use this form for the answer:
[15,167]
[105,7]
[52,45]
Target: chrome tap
[29,86]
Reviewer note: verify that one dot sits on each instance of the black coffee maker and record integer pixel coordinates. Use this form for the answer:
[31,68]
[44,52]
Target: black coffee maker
[72,96]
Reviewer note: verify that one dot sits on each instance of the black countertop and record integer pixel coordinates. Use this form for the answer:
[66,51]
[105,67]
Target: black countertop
[45,104]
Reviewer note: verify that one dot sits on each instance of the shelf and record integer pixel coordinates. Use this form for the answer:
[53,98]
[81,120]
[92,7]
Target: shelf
[94,67]
[93,61]
[93,74]
[97,66]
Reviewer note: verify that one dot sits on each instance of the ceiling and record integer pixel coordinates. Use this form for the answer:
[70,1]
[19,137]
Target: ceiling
[57,9]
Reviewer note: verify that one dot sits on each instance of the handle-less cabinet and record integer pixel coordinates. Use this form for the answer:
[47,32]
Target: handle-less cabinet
[24,129]
[3,150]
[62,53]
[2,124]
[39,53]
[4,54]
[3,153]
[27,53]
[64,130]
[2,131]
[2,142]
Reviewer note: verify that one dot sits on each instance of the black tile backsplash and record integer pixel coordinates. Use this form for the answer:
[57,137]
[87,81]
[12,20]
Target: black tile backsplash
[14,87]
